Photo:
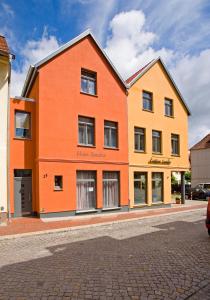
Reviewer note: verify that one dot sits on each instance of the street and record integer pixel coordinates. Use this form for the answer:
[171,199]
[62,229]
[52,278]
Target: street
[164,257]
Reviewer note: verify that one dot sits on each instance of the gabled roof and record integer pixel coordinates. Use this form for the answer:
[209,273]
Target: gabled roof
[4,49]
[132,79]
[202,144]
[33,68]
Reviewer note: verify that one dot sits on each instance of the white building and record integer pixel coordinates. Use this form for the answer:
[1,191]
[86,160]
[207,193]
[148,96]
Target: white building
[4,104]
[200,161]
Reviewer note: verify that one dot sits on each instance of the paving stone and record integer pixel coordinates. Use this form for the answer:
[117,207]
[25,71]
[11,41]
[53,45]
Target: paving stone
[130,260]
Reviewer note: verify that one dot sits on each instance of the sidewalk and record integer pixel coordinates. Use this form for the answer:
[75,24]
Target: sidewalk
[29,225]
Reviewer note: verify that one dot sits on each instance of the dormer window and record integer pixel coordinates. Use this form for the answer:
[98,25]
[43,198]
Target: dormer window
[88,82]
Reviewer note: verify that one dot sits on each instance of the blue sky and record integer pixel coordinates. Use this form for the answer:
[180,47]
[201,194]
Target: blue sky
[131,32]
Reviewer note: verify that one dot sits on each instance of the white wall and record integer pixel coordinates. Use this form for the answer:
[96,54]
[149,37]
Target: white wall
[200,166]
[4,71]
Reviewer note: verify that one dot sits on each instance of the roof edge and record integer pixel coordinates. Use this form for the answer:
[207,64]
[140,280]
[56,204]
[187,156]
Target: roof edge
[84,34]
[169,75]
[196,146]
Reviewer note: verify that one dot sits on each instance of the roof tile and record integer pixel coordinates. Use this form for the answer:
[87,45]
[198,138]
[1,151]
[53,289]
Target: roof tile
[3,45]
[137,73]
[202,144]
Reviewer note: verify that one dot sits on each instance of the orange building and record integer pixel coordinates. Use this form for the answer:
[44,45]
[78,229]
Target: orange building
[69,145]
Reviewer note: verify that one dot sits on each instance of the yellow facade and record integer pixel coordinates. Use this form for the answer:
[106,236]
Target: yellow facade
[156,81]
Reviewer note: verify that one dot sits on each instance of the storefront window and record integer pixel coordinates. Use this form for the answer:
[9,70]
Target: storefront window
[110,189]
[157,187]
[140,188]
[86,190]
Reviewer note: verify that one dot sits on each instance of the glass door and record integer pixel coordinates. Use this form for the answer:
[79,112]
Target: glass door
[140,188]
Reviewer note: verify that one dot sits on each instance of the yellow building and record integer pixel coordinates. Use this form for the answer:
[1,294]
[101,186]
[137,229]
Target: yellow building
[158,135]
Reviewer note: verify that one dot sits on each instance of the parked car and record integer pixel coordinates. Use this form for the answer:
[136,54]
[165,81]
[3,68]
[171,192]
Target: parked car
[200,191]
[208,217]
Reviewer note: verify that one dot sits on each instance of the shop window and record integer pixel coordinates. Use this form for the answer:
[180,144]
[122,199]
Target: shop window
[157,187]
[110,189]
[140,188]
[86,190]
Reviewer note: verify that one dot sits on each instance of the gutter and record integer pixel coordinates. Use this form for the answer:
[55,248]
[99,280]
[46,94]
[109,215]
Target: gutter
[8,140]
[28,81]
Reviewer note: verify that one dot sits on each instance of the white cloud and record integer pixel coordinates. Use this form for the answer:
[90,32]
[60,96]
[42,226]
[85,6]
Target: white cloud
[7,9]
[32,53]
[130,45]
[193,77]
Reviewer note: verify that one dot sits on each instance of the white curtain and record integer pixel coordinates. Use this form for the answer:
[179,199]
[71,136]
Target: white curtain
[110,189]
[22,120]
[86,192]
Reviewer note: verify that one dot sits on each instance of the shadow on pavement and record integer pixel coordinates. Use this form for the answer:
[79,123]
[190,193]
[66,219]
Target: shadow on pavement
[173,263]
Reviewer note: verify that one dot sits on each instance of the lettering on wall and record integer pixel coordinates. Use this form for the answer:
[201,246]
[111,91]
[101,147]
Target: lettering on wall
[157,161]
[90,154]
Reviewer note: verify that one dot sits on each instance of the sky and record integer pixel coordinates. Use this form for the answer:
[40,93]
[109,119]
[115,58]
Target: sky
[131,32]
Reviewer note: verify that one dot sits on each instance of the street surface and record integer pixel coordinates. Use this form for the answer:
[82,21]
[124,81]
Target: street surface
[164,257]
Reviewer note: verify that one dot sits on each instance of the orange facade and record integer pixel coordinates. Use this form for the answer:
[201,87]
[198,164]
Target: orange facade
[54,148]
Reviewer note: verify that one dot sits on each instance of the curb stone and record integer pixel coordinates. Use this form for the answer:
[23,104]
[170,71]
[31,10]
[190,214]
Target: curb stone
[67,229]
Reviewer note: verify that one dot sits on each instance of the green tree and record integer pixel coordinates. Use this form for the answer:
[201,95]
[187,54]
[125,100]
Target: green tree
[174,180]
[187,176]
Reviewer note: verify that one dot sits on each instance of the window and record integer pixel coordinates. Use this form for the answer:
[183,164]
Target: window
[110,134]
[58,183]
[156,141]
[140,188]
[168,108]
[157,187]
[110,189]
[139,137]
[147,101]
[86,190]
[175,144]
[88,82]
[22,125]
[86,131]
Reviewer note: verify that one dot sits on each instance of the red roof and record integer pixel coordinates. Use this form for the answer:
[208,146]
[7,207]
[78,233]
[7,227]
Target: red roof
[137,73]
[203,144]
[3,45]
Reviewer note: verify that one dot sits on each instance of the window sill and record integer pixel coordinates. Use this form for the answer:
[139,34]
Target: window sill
[157,203]
[140,205]
[58,190]
[111,208]
[175,155]
[85,211]
[172,117]
[92,95]
[111,148]
[22,139]
[138,151]
[147,110]
[86,146]
[157,153]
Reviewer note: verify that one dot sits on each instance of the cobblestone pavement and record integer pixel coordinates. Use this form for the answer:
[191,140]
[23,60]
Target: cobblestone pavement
[166,257]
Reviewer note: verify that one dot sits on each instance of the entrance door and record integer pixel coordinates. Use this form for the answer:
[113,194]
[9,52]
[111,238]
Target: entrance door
[23,192]
[140,188]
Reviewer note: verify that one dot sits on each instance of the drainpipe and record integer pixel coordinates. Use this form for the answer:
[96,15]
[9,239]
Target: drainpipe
[8,139]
